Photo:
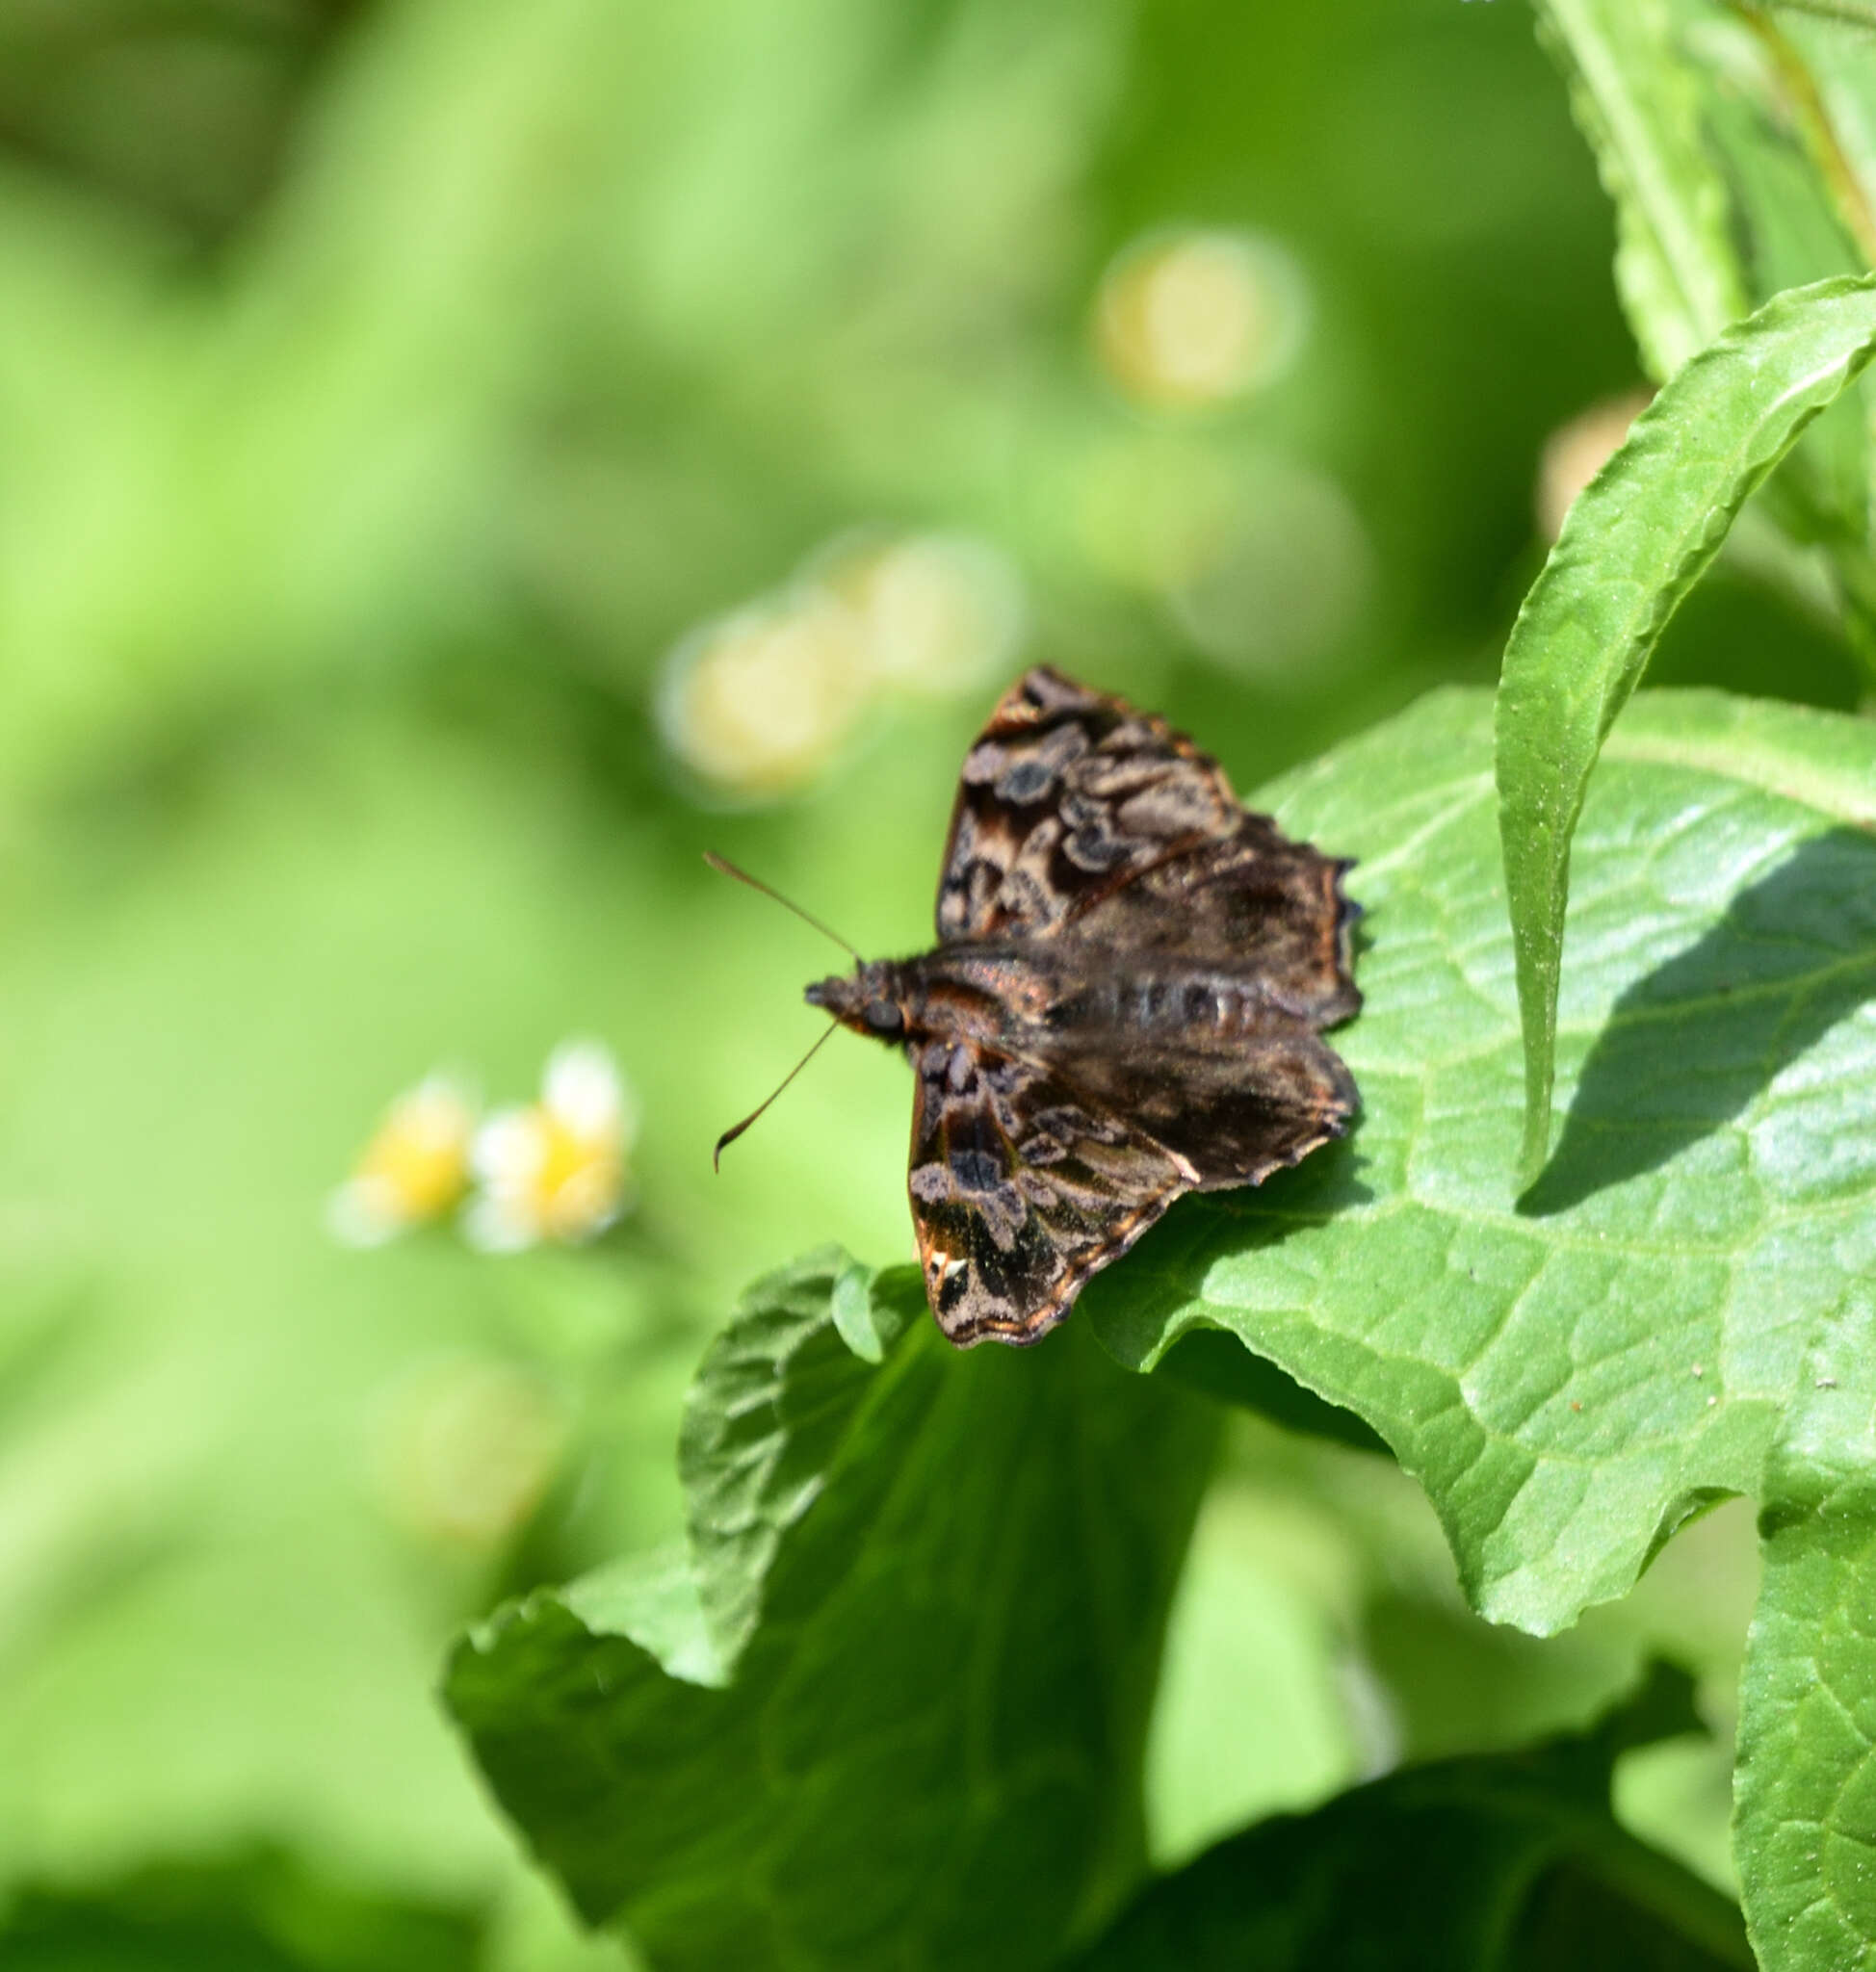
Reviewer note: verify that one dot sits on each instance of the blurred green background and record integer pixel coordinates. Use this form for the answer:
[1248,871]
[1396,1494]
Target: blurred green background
[460,459]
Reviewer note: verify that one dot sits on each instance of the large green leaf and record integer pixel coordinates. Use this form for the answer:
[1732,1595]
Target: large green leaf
[894,1706]
[1634,545]
[1466,1866]
[1568,1378]
[1664,1320]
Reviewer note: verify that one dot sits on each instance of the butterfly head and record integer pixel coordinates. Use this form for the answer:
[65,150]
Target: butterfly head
[869,1000]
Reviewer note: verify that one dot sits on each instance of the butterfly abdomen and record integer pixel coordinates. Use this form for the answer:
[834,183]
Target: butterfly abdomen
[1163,1004]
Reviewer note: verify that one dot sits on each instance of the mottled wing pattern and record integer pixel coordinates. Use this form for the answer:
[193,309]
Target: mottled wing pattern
[1020,1192]
[1066,795]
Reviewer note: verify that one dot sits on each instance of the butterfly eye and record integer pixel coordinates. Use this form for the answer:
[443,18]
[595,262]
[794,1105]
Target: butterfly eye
[883,1015]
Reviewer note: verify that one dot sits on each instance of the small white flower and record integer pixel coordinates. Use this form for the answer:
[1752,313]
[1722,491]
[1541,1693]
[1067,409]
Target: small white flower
[415,1168]
[583,1089]
[555,1169]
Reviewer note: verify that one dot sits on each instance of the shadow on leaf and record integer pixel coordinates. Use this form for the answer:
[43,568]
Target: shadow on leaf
[1132,1307]
[1690,1047]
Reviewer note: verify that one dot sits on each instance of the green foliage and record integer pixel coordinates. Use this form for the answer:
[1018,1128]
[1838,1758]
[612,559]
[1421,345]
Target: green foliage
[1571,1379]
[1728,133]
[1807,1719]
[1513,1860]
[906,1725]
[1634,545]
[1569,1382]
[258,1912]
[1639,105]
[384,391]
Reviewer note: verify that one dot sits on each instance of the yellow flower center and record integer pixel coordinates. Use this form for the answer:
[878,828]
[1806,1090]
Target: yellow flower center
[419,1160]
[578,1186]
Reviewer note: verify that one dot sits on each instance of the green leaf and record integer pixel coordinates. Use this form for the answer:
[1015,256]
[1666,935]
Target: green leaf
[1725,136]
[260,1909]
[1634,545]
[1683,1309]
[1569,1381]
[765,1418]
[1805,1813]
[897,1708]
[1764,83]
[1784,101]
[1638,105]
[1513,1859]
[1214,1364]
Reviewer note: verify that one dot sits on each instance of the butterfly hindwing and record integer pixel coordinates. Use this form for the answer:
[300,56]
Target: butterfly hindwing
[1255,907]
[1020,1191]
[1232,1113]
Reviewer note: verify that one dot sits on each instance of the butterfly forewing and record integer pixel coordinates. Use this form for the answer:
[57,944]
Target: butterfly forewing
[1067,795]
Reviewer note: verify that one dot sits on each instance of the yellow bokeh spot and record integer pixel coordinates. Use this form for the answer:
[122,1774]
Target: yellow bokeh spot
[760,702]
[934,614]
[1192,319]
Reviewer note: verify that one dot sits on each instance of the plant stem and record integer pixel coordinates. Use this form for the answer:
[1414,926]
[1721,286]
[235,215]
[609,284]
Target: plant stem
[1820,138]
[1858,12]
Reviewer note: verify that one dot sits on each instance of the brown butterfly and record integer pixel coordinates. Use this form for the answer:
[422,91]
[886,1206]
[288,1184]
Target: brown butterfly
[1122,1007]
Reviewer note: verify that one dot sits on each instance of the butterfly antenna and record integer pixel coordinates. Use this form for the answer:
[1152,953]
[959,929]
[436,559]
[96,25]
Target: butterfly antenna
[729,869]
[730,1135]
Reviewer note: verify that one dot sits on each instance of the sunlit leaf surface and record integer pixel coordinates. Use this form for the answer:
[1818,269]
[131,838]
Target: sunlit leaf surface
[1634,545]
[1682,1307]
